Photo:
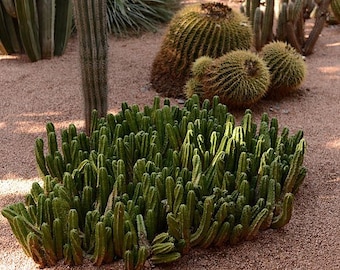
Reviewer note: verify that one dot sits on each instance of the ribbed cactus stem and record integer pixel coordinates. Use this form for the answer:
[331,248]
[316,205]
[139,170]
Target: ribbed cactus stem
[46,14]
[9,36]
[63,25]
[267,25]
[91,24]
[257,26]
[29,28]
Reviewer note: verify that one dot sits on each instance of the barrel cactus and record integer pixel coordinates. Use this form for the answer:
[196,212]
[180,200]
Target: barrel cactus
[240,78]
[210,29]
[287,68]
[335,6]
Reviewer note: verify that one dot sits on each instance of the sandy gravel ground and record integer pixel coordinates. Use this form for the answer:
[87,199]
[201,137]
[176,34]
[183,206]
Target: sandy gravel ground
[32,94]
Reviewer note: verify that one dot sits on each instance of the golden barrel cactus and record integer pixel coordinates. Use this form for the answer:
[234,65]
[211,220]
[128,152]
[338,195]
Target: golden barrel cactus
[210,29]
[240,78]
[286,66]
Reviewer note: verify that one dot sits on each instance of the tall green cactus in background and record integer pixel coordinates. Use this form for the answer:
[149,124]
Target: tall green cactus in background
[335,5]
[63,25]
[9,31]
[90,17]
[289,20]
[152,184]
[40,27]
[210,29]
[46,15]
[27,14]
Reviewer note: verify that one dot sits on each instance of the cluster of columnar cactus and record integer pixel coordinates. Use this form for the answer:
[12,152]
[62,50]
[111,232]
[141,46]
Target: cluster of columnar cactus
[289,18]
[211,29]
[41,28]
[152,184]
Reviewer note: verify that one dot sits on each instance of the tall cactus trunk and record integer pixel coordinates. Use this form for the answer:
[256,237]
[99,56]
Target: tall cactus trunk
[320,21]
[46,14]
[90,17]
[63,25]
[29,28]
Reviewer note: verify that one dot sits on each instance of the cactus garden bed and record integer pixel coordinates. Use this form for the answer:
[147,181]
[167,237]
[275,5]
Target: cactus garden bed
[48,91]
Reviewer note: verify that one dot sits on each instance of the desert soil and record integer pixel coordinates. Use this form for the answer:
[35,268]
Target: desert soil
[32,94]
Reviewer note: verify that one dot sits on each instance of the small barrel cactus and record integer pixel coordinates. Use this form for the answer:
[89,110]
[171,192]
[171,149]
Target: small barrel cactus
[335,5]
[211,29]
[286,66]
[240,78]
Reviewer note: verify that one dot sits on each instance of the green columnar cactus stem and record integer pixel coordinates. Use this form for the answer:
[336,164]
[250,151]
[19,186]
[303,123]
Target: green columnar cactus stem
[9,32]
[142,256]
[109,256]
[90,18]
[100,244]
[46,14]
[294,168]
[128,260]
[58,237]
[292,17]
[48,244]
[210,235]
[104,188]
[236,234]
[286,212]
[34,246]
[75,246]
[198,236]
[63,25]
[256,224]
[210,29]
[29,28]
[267,24]
[281,30]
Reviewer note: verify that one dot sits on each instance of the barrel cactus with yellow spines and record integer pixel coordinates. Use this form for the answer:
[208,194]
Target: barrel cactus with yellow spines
[193,85]
[240,78]
[287,68]
[210,29]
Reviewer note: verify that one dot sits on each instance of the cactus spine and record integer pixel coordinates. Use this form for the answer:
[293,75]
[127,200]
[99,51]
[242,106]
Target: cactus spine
[91,24]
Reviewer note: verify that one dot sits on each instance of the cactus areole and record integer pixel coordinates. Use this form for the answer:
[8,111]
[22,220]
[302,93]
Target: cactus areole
[210,29]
